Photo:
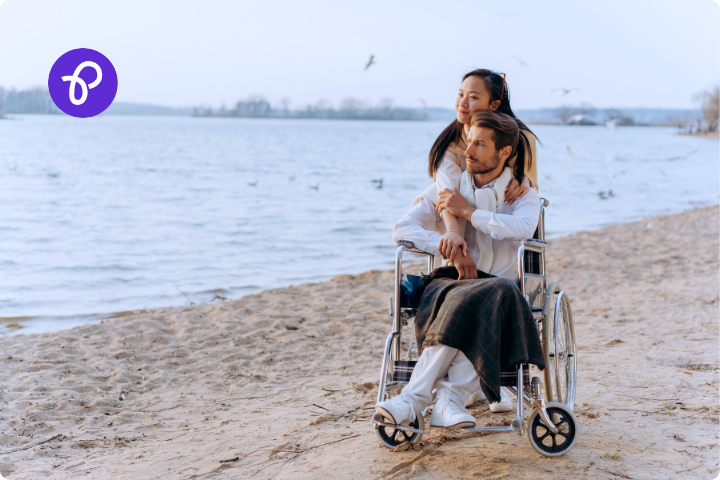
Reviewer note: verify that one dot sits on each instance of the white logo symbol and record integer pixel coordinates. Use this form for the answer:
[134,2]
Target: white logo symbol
[76,79]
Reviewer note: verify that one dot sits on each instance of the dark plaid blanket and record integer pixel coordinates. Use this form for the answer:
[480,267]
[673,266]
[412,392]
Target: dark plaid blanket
[487,319]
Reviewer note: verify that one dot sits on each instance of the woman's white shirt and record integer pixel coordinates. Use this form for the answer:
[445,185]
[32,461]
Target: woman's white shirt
[449,171]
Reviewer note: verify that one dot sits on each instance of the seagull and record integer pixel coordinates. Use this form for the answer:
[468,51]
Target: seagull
[378,183]
[253,184]
[423,103]
[612,124]
[522,63]
[315,187]
[605,195]
[565,90]
[570,154]
[292,178]
[370,62]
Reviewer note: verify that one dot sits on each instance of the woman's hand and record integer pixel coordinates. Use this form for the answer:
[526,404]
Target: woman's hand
[452,244]
[514,190]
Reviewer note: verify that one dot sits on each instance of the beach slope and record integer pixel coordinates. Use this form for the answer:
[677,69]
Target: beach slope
[281,384]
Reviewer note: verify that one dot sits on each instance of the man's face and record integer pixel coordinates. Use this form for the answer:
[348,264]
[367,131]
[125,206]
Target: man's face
[481,155]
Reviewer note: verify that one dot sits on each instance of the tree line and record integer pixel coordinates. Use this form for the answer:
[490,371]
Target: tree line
[349,109]
[33,100]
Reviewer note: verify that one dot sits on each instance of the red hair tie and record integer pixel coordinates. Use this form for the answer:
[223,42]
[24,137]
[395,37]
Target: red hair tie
[503,89]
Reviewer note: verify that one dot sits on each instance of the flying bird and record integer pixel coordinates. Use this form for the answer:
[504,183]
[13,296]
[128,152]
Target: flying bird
[612,124]
[292,178]
[605,195]
[253,184]
[570,154]
[315,187]
[565,91]
[423,103]
[378,183]
[370,62]
[522,63]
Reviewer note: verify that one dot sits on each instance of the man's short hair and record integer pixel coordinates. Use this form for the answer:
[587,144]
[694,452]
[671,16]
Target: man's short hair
[505,128]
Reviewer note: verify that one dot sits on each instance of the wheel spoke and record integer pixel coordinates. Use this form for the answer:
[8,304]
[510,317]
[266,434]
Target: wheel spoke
[395,432]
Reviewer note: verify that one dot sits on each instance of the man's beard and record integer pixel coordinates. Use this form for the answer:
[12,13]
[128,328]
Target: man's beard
[484,167]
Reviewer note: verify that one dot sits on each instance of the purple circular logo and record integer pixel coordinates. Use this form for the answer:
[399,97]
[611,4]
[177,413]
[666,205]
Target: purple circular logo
[83,83]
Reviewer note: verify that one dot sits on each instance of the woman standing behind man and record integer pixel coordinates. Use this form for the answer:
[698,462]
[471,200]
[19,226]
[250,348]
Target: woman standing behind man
[481,89]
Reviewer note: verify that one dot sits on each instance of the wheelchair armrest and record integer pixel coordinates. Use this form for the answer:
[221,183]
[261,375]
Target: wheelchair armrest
[409,246]
[535,245]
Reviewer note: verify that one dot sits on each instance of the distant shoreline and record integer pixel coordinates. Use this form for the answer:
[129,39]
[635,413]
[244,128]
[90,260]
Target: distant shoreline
[14,116]
[711,135]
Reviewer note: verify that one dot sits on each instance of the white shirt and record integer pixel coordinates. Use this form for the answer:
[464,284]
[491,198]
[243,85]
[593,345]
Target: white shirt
[507,227]
[449,171]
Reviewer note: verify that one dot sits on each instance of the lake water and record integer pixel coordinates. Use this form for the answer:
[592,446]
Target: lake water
[117,213]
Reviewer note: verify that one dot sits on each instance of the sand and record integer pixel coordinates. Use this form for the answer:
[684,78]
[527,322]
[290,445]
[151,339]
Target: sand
[281,384]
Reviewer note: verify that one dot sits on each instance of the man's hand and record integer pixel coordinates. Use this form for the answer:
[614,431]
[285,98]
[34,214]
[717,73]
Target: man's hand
[467,270]
[452,244]
[455,203]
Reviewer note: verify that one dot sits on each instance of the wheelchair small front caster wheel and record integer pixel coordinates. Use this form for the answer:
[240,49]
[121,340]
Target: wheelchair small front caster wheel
[392,437]
[544,441]
[517,426]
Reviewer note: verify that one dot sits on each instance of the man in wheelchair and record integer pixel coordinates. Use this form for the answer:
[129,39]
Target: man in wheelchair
[457,353]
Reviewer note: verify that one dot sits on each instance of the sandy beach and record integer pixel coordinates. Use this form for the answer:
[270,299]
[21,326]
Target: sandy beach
[281,384]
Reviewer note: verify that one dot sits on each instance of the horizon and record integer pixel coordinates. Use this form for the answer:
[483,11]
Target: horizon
[179,107]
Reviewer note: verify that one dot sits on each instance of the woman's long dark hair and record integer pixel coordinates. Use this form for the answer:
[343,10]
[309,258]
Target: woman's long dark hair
[453,132]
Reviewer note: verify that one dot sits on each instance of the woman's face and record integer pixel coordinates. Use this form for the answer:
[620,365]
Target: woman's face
[473,96]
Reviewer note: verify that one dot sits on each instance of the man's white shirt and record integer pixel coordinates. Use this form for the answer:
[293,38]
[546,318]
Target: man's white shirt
[507,227]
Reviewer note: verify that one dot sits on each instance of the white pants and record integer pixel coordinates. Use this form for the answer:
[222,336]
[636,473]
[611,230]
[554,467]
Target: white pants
[429,372]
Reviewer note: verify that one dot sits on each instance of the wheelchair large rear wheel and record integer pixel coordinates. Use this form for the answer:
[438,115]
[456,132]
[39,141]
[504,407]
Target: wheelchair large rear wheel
[546,442]
[559,348]
[392,437]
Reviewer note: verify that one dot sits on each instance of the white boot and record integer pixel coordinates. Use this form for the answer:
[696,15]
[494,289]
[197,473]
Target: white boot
[504,405]
[396,411]
[448,414]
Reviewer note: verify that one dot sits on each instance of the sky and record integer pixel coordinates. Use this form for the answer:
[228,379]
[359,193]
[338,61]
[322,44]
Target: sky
[618,53]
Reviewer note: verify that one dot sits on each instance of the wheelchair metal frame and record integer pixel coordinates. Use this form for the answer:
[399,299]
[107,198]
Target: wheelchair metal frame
[530,394]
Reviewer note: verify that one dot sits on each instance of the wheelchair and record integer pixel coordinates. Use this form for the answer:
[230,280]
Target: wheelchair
[551,427]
